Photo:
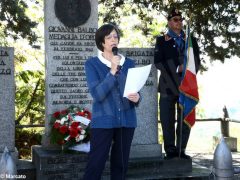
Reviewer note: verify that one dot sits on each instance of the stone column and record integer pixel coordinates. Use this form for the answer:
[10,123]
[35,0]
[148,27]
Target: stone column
[7,100]
[70,28]
[145,141]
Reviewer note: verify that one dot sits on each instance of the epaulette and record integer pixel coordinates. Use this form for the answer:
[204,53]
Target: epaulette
[167,37]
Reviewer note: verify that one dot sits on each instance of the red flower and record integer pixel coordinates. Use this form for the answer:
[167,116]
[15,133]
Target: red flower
[80,113]
[69,117]
[56,125]
[88,114]
[56,114]
[75,125]
[73,132]
[63,129]
[64,112]
[61,142]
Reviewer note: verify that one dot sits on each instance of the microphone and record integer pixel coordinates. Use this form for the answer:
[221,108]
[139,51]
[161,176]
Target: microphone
[115,52]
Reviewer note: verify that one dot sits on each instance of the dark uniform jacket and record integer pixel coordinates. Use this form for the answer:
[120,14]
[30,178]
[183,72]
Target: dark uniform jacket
[167,58]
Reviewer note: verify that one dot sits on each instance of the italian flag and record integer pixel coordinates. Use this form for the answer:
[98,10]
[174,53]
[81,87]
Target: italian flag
[188,97]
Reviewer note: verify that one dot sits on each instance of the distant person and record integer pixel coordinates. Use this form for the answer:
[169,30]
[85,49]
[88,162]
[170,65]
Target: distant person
[168,58]
[113,116]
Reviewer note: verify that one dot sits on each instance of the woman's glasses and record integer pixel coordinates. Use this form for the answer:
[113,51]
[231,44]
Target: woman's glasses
[114,36]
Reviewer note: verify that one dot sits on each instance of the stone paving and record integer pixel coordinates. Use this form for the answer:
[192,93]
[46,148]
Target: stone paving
[206,160]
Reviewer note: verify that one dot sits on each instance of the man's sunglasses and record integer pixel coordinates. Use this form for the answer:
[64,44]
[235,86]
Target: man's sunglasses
[177,19]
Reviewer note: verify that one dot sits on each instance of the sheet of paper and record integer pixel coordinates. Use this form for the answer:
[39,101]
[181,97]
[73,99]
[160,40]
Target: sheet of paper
[136,78]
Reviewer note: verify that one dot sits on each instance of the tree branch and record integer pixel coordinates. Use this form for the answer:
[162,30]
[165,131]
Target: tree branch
[17,121]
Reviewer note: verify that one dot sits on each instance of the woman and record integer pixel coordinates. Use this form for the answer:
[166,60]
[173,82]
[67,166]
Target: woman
[113,116]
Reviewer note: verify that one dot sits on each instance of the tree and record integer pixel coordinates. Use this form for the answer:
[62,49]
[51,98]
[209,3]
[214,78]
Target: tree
[18,30]
[14,22]
[214,22]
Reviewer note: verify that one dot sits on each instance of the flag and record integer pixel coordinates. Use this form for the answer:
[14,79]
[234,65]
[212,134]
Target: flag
[188,97]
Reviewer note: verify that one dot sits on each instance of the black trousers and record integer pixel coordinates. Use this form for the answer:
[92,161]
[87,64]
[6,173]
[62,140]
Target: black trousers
[102,140]
[169,106]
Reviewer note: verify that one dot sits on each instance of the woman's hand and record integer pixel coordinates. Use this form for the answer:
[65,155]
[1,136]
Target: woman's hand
[134,97]
[115,61]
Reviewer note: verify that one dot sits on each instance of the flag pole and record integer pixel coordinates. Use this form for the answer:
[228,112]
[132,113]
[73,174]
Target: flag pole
[182,107]
[180,133]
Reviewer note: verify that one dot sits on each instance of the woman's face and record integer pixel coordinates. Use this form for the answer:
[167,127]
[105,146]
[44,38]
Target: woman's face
[111,41]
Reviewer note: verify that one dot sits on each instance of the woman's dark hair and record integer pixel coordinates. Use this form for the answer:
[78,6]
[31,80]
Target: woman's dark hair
[103,31]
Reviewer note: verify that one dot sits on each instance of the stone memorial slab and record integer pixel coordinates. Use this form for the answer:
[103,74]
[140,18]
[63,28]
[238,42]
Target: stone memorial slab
[70,28]
[7,99]
[145,141]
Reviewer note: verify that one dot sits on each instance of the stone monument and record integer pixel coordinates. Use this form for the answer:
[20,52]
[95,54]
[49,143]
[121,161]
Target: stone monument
[7,101]
[70,28]
[145,141]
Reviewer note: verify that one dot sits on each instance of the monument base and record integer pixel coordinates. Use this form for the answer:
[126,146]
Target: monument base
[55,164]
[146,151]
[52,164]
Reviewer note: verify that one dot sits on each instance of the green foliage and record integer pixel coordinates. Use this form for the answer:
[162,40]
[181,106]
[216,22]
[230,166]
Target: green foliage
[20,24]
[14,22]
[30,97]
[25,139]
[215,23]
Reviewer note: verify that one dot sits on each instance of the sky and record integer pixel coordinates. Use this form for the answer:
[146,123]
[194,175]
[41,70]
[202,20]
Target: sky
[220,86]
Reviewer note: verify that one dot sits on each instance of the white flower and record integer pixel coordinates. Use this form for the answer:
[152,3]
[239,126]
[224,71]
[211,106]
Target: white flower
[75,109]
[58,121]
[79,138]
[83,131]
[67,138]
[63,120]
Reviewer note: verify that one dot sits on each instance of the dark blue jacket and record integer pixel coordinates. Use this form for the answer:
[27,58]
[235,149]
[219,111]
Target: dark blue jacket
[110,109]
[167,58]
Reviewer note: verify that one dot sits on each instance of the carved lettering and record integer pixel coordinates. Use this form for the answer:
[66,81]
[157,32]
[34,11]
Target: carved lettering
[5,71]
[84,96]
[65,29]
[72,102]
[3,53]
[58,74]
[59,91]
[51,85]
[2,63]
[63,69]
[72,63]
[139,53]
[71,37]
[149,83]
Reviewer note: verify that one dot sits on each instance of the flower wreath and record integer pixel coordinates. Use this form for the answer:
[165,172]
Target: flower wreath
[70,127]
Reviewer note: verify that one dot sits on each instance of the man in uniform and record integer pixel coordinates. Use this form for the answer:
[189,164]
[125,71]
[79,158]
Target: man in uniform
[168,58]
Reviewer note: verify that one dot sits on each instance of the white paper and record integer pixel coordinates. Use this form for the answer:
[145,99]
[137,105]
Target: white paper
[82,119]
[84,147]
[136,78]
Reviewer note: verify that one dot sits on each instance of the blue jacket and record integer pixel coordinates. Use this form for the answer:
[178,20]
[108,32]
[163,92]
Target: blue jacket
[110,109]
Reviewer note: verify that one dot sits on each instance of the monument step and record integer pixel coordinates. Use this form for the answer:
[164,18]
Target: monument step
[55,164]
[27,169]
[198,173]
